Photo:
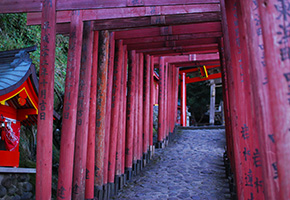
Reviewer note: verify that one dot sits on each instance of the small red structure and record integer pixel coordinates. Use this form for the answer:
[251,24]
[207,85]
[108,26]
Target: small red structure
[18,101]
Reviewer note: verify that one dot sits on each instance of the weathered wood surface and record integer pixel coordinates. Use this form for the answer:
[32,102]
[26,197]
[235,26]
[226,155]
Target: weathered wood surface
[15,6]
[118,13]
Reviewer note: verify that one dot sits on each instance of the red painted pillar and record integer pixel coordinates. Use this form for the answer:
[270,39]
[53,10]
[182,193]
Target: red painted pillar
[90,175]
[161,103]
[228,125]
[108,110]
[80,158]
[115,113]
[275,19]
[176,92]
[130,113]
[260,88]
[249,181]
[151,147]
[136,135]
[45,97]
[146,107]
[140,111]
[227,67]
[165,137]
[101,111]
[124,128]
[119,179]
[65,171]
[183,99]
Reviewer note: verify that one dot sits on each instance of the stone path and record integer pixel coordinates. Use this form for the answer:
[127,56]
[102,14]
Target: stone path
[191,167]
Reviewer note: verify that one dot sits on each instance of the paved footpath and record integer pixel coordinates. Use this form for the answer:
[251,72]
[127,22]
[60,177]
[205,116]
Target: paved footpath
[191,167]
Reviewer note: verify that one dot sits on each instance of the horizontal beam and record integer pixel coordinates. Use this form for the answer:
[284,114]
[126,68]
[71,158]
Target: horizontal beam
[170,30]
[198,79]
[180,49]
[113,24]
[173,53]
[195,69]
[14,6]
[131,12]
[181,43]
[195,63]
[186,58]
[172,38]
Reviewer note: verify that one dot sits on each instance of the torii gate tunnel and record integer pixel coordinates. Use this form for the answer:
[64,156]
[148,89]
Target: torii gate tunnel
[114,47]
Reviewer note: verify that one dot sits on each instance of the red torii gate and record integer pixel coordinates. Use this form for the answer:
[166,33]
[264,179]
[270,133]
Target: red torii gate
[249,79]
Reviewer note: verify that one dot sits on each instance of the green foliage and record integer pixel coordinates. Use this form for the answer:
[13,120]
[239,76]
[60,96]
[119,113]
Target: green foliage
[198,99]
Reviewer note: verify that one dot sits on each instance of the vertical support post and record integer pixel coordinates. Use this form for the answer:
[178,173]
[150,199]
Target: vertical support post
[259,83]
[124,113]
[165,137]
[183,100]
[146,107]
[108,111]
[151,147]
[136,135]
[45,101]
[119,179]
[101,111]
[212,102]
[65,171]
[176,92]
[275,21]
[81,143]
[90,174]
[115,113]
[161,103]
[140,111]
[130,113]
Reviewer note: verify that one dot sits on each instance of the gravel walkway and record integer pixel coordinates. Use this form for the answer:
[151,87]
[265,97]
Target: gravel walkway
[191,167]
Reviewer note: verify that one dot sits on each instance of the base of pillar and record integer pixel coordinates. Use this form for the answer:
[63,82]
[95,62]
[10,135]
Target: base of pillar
[128,172]
[111,191]
[117,183]
[134,169]
[145,159]
[105,191]
[121,183]
[139,166]
[124,179]
[99,193]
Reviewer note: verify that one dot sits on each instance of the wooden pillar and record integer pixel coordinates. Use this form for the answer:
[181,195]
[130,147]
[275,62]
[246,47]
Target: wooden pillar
[275,19]
[259,83]
[46,98]
[176,91]
[101,111]
[161,103]
[166,130]
[130,113]
[119,179]
[136,135]
[245,140]
[65,171]
[212,102]
[80,158]
[229,132]
[146,106]
[124,112]
[183,99]
[140,110]
[151,147]
[108,111]
[90,171]
[116,92]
